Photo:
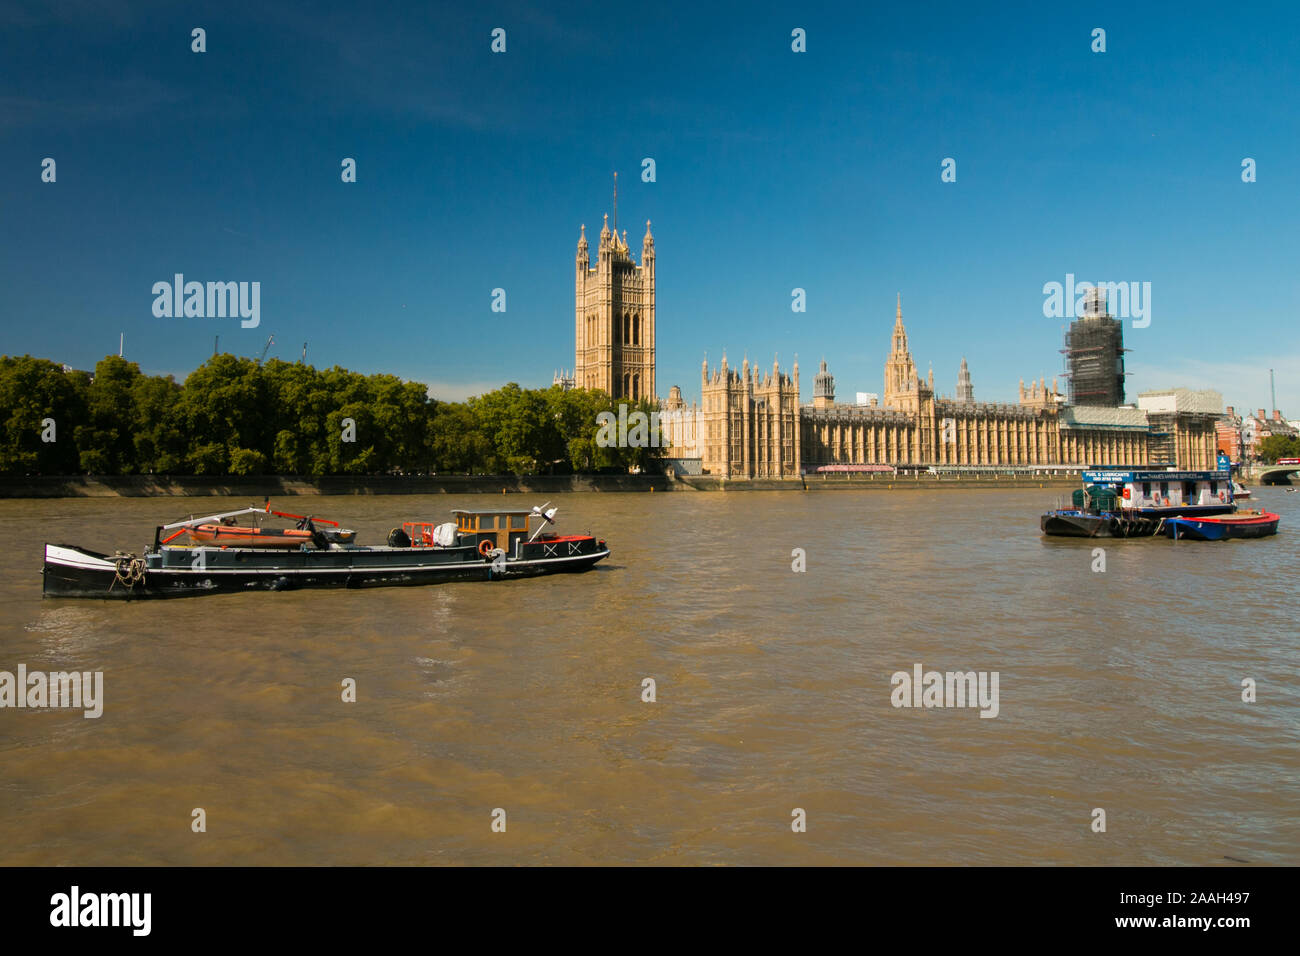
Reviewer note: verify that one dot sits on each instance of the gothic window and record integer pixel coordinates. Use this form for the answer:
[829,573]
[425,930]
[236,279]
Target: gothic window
[636,329]
[636,386]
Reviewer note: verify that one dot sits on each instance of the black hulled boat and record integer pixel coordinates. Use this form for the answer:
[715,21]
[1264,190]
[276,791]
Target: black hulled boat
[480,545]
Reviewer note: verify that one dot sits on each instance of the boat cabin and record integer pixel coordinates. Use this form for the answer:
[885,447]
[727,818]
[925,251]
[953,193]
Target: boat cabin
[1156,491]
[502,528]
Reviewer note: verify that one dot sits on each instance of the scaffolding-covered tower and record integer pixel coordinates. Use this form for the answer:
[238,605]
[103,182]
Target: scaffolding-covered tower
[1094,354]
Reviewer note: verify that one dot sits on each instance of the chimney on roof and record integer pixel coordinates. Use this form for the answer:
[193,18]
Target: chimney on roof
[1261,416]
[1231,413]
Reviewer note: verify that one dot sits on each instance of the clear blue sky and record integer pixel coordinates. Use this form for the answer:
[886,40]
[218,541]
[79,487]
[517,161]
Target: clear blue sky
[774,170]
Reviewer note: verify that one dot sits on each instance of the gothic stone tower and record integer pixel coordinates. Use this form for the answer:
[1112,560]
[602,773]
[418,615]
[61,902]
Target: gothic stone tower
[615,317]
[965,390]
[902,384]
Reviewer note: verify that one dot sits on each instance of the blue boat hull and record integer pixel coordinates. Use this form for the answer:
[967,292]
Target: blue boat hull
[1180,528]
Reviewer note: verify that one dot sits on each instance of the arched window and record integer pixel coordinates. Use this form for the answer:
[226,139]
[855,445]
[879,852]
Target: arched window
[636,386]
[627,384]
[636,329]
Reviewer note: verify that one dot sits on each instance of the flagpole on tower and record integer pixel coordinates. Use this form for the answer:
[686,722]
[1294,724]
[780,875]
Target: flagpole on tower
[615,204]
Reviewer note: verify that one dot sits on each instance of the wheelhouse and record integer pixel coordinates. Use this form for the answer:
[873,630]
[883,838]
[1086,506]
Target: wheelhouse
[501,528]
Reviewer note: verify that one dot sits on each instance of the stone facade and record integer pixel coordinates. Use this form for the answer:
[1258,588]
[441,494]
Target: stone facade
[750,424]
[614,317]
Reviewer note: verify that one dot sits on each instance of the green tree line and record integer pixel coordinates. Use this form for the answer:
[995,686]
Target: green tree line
[1278,446]
[236,416]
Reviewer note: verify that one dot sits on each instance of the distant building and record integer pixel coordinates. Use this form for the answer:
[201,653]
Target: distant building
[965,390]
[1227,434]
[751,425]
[1094,354]
[1255,428]
[1206,401]
[1038,395]
[614,317]
[1166,408]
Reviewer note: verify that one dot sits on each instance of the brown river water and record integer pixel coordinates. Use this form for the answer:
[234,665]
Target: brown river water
[1118,690]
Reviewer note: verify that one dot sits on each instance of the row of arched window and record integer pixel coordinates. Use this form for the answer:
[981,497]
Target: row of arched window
[626,332]
[631,384]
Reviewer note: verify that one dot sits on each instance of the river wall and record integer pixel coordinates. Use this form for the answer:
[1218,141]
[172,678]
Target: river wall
[278,486]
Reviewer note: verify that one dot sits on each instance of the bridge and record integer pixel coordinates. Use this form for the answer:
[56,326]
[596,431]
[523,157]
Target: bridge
[1275,474]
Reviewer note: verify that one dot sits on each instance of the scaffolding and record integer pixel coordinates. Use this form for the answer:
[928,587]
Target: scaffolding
[1094,360]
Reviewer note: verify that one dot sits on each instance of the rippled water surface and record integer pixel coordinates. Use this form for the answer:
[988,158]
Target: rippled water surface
[1119,690]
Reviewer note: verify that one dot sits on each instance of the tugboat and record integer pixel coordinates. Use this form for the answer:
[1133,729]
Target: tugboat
[478,546]
[1131,504]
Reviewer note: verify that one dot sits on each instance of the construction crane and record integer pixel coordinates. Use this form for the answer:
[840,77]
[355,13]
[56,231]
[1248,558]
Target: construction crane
[270,340]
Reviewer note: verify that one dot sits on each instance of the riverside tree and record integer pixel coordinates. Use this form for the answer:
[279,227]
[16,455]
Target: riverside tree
[237,416]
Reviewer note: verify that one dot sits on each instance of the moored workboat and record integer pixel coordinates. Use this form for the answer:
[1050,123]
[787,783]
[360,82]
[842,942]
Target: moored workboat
[478,545]
[1130,504]
[1242,524]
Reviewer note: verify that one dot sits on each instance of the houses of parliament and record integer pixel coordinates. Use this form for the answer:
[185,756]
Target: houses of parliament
[751,423]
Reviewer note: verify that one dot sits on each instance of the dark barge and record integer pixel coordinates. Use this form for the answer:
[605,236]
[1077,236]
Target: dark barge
[481,545]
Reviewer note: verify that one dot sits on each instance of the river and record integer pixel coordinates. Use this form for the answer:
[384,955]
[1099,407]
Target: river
[1119,690]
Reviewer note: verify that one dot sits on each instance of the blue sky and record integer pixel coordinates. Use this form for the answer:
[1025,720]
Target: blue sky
[775,170]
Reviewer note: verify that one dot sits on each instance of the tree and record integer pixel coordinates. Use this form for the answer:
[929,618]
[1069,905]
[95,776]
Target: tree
[236,416]
[1279,446]
[106,438]
[42,406]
